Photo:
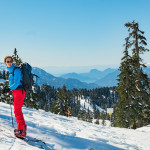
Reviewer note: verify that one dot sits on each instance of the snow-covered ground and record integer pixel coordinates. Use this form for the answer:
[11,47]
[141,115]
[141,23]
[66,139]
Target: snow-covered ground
[64,133]
[2,80]
[85,104]
[3,67]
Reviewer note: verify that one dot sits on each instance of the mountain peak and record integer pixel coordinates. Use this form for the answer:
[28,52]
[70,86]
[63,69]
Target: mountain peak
[94,71]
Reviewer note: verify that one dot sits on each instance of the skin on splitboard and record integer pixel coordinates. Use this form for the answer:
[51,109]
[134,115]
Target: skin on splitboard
[35,142]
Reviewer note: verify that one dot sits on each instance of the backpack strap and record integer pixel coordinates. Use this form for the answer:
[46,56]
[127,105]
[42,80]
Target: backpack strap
[20,86]
[36,81]
[14,70]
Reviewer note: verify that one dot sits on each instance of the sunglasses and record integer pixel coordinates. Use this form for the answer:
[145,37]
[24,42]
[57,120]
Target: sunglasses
[9,61]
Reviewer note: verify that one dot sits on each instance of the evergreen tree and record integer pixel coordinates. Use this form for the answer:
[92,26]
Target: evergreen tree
[4,75]
[97,121]
[16,60]
[103,116]
[125,88]
[56,107]
[1,95]
[7,98]
[61,105]
[32,100]
[133,88]
[89,117]
[47,95]
[1,75]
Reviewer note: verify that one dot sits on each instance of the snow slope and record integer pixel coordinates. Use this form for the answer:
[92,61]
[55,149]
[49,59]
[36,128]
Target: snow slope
[85,103]
[63,133]
[3,67]
[2,80]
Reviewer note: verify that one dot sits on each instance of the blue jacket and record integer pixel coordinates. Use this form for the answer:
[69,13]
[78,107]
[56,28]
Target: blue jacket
[14,81]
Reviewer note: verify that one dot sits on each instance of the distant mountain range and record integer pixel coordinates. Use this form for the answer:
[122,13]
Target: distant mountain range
[92,79]
[89,77]
[101,78]
[60,70]
[109,80]
[57,82]
[104,78]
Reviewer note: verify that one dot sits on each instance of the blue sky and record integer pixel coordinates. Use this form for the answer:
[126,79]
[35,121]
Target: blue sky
[70,32]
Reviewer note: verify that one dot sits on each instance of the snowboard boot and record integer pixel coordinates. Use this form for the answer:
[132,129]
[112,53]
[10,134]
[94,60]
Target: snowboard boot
[21,133]
[18,133]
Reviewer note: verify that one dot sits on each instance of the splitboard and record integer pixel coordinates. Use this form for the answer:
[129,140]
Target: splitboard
[29,140]
[36,143]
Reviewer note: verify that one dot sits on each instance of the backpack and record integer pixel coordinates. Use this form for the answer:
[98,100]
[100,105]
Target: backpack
[27,76]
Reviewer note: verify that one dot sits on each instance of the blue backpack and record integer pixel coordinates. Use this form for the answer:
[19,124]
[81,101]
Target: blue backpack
[27,76]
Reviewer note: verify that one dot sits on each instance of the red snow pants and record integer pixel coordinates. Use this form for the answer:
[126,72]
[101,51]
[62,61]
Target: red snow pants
[19,96]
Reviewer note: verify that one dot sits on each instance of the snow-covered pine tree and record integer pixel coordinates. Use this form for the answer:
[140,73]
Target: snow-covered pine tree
[63,95]
[61,105]
[74,102]
[133,87]
[2,98]
[141,104]
[32,100]
[47,95]
[125,89]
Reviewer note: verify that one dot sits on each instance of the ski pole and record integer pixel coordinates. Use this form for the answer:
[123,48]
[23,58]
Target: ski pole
[11,116]
[11,112]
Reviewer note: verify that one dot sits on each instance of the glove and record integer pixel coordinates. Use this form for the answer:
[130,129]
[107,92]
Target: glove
[6,90]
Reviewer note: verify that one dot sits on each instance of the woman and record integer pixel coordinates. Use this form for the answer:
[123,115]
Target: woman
[15,78]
